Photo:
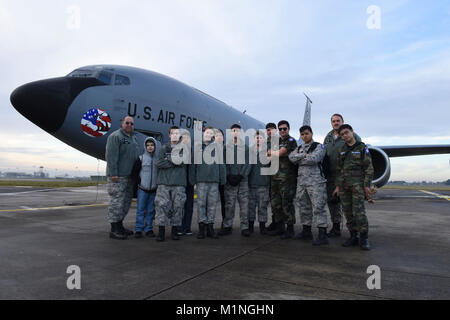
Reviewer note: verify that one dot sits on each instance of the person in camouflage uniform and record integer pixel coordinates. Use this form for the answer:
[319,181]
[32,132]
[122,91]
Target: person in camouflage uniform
[354,176]
[333,143]
[236,187]
[170,194]
[311,195]
[259,185]
[122,151]
[207,177]
[283,184]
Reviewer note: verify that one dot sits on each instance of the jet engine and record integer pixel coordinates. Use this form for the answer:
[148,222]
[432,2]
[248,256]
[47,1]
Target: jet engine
[381,166]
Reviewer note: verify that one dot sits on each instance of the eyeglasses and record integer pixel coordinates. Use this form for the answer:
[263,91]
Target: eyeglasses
[282,129]
[129,123]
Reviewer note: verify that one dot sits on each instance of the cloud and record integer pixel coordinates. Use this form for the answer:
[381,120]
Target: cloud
[411,140]
[29,151]
[424,168]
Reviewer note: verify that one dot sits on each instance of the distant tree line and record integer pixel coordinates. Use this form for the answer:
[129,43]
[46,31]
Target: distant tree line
[404,183]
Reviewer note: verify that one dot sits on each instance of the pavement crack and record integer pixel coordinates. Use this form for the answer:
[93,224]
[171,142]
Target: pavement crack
[314,287]
[209,270]
[418,273]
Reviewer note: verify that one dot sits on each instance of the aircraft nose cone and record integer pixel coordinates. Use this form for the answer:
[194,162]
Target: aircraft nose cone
[44,102]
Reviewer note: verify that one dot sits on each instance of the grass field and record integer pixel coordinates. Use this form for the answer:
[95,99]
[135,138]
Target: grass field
[75,184]
[429,188]
[48,183]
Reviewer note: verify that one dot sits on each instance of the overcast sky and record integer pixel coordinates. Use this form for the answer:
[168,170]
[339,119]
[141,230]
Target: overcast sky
[391,83]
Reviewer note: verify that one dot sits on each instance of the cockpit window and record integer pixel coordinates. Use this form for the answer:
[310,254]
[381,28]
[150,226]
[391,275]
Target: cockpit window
[82,73]
[122,80]
[105,77]
[102,75]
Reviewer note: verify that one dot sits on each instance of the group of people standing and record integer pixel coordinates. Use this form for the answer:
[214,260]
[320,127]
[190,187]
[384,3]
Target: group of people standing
[310,176]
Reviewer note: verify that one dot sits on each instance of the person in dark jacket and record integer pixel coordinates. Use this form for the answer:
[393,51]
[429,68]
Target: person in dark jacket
[189,204]
[171,193]
[236,187]
[208,175]
[258,187]
[218,138]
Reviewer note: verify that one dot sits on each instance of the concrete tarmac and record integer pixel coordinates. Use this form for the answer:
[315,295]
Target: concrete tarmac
[44,231]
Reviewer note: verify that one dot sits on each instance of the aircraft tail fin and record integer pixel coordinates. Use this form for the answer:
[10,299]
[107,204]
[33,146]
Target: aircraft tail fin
[307,116]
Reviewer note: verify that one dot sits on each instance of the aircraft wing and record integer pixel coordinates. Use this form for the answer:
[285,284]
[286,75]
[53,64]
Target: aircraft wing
[419,150]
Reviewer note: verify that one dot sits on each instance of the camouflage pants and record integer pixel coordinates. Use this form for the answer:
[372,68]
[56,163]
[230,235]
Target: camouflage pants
[239,193]
[169,204]
[207,198]
[258,197]
[282,198]
[311,201]
[352,198]
[120,196]
[335,208]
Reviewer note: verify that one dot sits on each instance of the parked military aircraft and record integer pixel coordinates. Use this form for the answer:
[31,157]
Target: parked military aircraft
[82,108]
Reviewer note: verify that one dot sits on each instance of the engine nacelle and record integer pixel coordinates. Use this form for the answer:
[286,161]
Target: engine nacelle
[381,166]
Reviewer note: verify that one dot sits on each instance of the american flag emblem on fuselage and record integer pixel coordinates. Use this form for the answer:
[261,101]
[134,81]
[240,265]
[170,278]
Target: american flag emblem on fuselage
[95,122]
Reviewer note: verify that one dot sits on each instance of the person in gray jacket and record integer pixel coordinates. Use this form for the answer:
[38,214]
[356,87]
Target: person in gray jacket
[147,189]
[171,193]
[207,176]
[311,186]
[236,187]
[122,151]
[259,186]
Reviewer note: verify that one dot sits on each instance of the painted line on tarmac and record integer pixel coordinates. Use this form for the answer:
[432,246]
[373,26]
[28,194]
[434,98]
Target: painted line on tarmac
[25,208]
[24,192]
[437,195]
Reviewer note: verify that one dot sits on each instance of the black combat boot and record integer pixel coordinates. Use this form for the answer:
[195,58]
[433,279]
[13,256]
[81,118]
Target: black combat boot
[174,234]
[272,226]
[335,231]
[262,228]
[251,226]
[210,231]
[225,231]
[289,233]
[126,231]
[364,241]
[201,231]
[162,234]
[278,231]
[353,240]
[306,233]
[150,234]
[322,238]
[138,235]
[116,233]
